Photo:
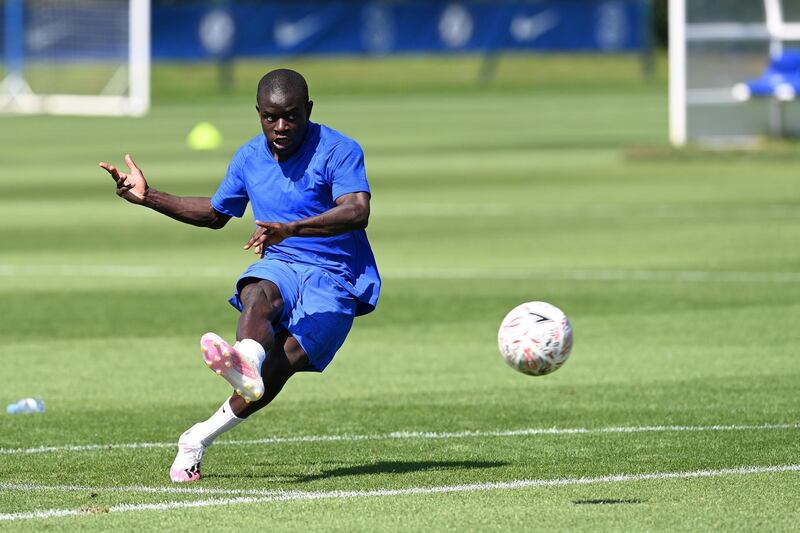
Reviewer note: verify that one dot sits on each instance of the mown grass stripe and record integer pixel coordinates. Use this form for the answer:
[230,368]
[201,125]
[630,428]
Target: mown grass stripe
[669,276]
[344,494]
[407,435]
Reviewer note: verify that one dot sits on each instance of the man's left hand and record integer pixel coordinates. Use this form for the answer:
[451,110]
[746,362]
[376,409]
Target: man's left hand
[267,234]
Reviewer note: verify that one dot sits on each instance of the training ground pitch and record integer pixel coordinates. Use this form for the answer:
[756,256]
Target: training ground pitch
[677,410]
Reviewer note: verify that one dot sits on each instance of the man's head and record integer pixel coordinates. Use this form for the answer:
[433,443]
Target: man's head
[284,109]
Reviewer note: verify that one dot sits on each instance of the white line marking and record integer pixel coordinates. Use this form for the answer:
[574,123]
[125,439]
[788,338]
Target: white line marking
[348,494]
[39,487]
[404,435]
[669,211]
[669,276]
[52,513]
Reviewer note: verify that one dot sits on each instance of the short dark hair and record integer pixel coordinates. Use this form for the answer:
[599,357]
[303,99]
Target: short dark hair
[283,80]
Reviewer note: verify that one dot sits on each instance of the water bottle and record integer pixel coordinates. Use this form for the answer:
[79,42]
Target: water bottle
[26,405]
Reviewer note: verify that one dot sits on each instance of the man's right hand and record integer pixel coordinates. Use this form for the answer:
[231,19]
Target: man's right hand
[132,186]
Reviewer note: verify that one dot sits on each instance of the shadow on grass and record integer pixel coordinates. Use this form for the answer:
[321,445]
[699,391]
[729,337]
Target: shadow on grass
[381,467]
[606,501]
[399,467]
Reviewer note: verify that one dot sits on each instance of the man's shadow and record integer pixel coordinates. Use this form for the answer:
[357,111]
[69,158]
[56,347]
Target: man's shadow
[380,467]
[397,467]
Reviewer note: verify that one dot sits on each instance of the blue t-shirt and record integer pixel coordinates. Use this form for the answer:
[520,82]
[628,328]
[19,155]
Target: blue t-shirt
[325,167]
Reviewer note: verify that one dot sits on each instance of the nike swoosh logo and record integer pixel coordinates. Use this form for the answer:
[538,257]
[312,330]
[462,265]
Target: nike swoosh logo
[46,35]
[288,34]
[530,28]
[541,318]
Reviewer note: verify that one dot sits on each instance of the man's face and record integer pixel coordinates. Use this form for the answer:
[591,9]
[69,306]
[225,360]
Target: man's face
[284,120]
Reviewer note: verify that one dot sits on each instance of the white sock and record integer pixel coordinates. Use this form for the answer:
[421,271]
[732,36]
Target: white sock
[220,422]
[252,349]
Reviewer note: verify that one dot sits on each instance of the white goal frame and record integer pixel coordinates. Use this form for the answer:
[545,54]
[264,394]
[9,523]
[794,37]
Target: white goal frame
[17,97]
[774,31]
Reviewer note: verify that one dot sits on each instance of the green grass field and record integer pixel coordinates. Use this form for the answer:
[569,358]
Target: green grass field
[678,409]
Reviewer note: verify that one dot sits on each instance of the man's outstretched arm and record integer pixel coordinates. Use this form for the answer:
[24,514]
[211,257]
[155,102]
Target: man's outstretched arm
[194,210]
[133,187]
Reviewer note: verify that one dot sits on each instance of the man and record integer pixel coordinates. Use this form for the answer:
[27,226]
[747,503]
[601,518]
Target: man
[310,199]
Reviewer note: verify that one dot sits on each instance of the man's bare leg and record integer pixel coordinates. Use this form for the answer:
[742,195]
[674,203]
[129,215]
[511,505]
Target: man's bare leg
[287,358]
[240,364]
[262,303]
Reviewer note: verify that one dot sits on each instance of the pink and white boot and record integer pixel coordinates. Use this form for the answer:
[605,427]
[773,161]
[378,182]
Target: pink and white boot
[186,466]
[240,368]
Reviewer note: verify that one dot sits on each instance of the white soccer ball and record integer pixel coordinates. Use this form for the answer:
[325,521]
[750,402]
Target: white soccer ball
[535,338]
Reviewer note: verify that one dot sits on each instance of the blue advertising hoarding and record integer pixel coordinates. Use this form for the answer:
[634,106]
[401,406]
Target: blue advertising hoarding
[198,32]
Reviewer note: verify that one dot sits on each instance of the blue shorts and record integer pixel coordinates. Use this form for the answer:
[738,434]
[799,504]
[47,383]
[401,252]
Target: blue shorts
[317,311]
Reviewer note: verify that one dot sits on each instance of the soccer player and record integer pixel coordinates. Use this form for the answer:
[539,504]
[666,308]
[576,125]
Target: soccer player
[310,197]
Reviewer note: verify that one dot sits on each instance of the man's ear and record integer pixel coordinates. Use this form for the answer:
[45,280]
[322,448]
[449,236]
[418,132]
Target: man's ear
[309,106]
[257,109]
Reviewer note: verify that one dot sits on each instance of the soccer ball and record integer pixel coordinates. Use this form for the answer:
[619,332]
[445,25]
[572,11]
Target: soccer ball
[535,338]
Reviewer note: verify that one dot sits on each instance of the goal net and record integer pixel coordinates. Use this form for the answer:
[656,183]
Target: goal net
[733,70]
[77,57]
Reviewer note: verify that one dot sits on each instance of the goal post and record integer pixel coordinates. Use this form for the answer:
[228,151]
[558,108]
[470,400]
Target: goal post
[75,57]
[677,72]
